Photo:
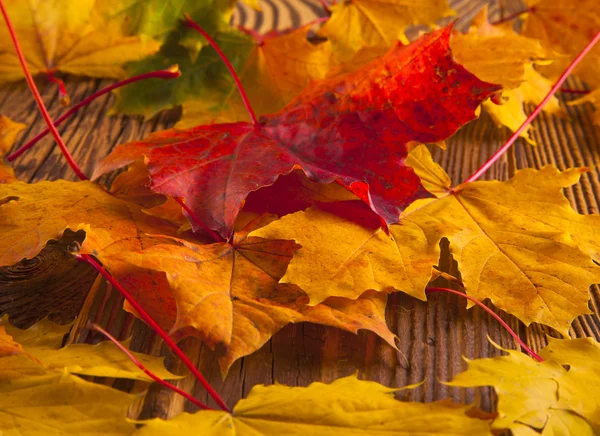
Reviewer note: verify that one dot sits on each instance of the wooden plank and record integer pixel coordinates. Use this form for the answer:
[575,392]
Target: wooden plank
[434,336]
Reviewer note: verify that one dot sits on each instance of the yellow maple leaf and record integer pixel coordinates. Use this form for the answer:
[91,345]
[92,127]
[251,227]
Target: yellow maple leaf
[56,404]
[357,24]
[566,26]
[517,243]
[70,36]
[279,66]
[347,406]
[497,54]
[42,344]
[33,214]
[230,293]
[546,396]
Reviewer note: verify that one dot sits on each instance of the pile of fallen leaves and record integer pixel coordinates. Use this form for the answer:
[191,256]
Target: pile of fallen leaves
[309,202]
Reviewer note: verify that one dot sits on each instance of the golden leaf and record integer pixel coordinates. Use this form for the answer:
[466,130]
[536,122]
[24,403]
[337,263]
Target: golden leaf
[517,243]
[42,344]
[546,396]
[375,23]
[347,406]
[69,36]
[497,54]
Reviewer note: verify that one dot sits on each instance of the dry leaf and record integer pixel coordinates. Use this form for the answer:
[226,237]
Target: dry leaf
[518,243]
[377,23]
[347,406]
[543,396]
[498,55]
[42,343]
[77,39]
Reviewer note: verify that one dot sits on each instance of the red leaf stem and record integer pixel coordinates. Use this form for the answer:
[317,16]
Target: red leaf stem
[154,325]
[494,314]
[535,113]
[38,97]
[198,221]
[170,73]
[191,23]
[325,6]
[63,95]
[513,16]
[141,366]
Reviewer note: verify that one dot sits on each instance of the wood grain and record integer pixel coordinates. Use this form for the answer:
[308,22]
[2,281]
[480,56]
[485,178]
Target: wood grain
[434,335]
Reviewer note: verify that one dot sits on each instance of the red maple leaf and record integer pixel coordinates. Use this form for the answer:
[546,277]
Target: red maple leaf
[352,128]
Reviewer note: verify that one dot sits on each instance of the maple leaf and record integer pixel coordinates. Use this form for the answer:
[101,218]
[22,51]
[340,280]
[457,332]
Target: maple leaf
[357,24]
[42,344]
[517,243]
[543,396]
[201,68]
[496,54]
[230,294]
[8,133]
[279,67]
[352,128]
[33,214]
[347,405]
[56,404]
[566,27]
[77,39]
[156,18]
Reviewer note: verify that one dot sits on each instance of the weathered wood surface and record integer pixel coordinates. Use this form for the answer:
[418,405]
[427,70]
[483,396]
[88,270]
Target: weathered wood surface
[434,335]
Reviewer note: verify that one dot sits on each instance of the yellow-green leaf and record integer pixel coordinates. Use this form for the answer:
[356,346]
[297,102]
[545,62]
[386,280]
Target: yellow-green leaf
[43,341]
[60,404]
[69,36]
[347,406]
[546,396]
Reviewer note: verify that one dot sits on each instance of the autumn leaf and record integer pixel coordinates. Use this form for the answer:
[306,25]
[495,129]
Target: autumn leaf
[56,404]
[377,23]
[230,294]
[42,343]
[202,70]
[518,243]
[496,54]
[346,252]
[279,67]
[77,40]
[545,395]
[9,130]
[33,214]
[566,27]
[157,18]
[327,131]
[348,406]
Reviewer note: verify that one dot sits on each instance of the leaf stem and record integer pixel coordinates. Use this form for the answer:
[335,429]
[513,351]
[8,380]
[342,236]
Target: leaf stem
[63,95]
[535,113]
[191,23]
[513,16]
[325,6]
[145,316]
[38,97]
[198,221]
[150,374]
[494,314]
[170,73]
